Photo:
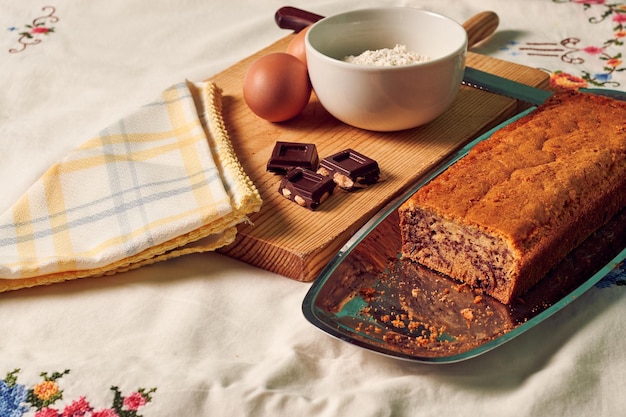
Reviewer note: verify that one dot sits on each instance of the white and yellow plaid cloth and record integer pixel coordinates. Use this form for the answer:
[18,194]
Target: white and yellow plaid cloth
[162,182]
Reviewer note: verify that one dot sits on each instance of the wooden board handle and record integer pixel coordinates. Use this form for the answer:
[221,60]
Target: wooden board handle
[480,26]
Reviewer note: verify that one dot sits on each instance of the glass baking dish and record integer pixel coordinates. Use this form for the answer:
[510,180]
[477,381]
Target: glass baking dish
[372,298]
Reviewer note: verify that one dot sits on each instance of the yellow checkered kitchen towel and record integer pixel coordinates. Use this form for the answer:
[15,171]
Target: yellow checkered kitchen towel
[160,183]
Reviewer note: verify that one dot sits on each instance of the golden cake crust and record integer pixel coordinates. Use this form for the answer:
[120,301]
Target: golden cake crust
[533,192]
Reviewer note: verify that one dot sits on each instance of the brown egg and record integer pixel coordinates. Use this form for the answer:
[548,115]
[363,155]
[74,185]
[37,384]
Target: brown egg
[277,87]
[297,47]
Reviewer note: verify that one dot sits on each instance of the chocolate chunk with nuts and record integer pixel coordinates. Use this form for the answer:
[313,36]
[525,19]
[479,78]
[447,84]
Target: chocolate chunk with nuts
[287,155]
[305,187]
[350,170]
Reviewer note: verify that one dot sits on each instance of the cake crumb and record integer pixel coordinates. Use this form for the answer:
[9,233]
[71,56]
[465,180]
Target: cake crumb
[414,325]
[463,288]
[398,322]
[368,294]
[468,314]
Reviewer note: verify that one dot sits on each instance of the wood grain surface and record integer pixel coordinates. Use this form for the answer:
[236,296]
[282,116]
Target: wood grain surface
[297,243]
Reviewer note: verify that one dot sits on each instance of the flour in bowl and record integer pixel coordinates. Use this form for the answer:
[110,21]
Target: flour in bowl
[386,57]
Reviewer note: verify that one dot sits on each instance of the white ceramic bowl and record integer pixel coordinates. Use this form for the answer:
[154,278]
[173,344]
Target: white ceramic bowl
[386,98]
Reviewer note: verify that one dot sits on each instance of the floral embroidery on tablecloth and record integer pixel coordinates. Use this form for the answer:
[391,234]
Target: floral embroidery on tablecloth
[607,55]
[33,33]
[45,399]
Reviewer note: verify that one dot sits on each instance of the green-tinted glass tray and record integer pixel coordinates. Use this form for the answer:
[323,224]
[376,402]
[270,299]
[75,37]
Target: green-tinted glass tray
[370,297]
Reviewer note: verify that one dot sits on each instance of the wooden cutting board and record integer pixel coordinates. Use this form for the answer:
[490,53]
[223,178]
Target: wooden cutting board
[297,243]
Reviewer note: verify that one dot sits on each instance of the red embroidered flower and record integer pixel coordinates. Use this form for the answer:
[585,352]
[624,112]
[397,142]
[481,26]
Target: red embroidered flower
[614,62]
[619,17]
[40,29]
[47,412]
[590,1]
[77,408]
[134,401]
[593,50]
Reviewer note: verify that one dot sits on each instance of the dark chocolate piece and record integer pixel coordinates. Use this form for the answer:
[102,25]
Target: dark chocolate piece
[287,155]
[305,187]
[350,170]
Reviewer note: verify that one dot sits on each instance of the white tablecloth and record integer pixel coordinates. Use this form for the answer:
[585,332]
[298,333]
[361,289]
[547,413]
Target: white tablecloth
[207,335]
